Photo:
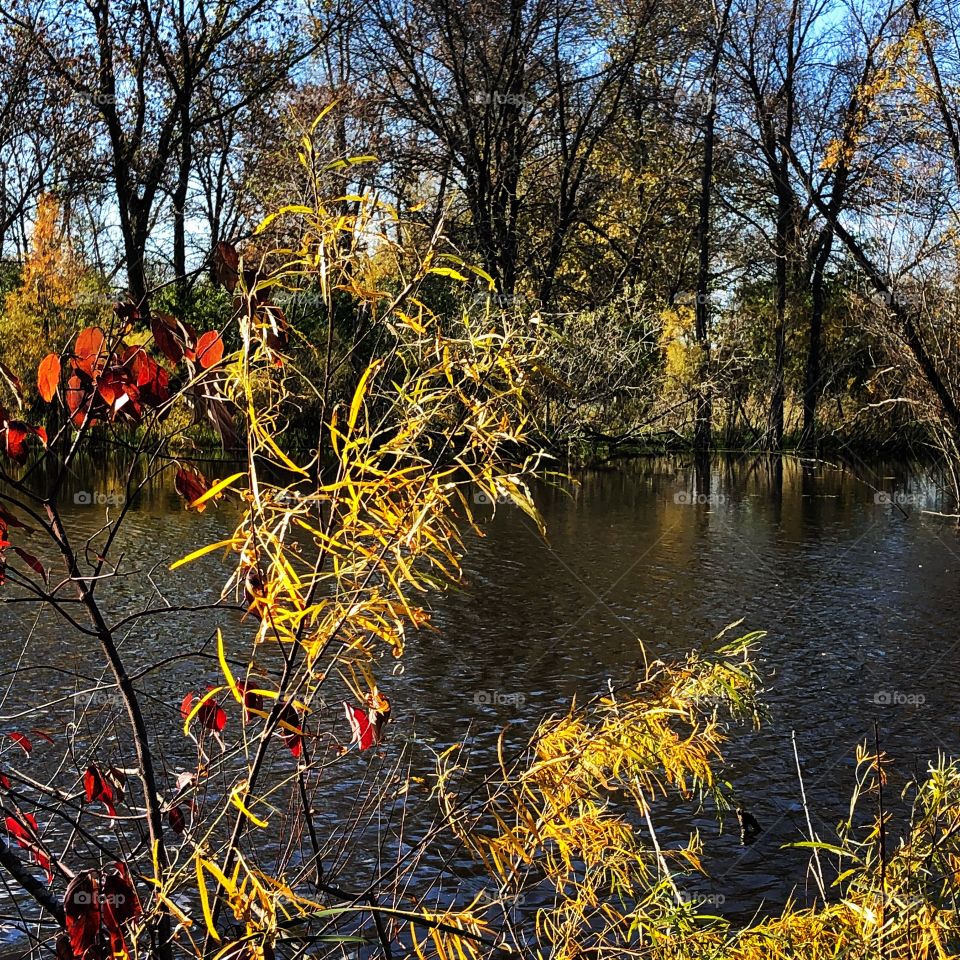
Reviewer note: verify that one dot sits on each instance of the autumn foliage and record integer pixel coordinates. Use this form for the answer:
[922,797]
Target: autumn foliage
[332,546]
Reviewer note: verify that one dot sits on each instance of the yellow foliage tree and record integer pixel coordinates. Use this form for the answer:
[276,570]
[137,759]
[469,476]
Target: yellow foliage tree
[681,353]
[56,289]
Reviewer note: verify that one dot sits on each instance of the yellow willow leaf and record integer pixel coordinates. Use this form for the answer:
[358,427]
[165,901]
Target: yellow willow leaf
[509,839]
[271,443]
[197,706]
[209,548]
[447,272]
[227,672]
[480,272]
[416,942]
[350,161]
[170,905]
[229,886]
[243,808]
[324,541]
[290,208]
[322,114]
[289,578]
[216,489]
[283,724]
[414,325]
[205,901]
[359,394]
[235,948]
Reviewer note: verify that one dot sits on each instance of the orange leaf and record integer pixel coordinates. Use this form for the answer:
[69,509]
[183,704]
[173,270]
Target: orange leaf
[209,349]
[48,376]
[90,351]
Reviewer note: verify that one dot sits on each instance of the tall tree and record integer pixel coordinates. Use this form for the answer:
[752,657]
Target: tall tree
[506,103]
[138,67]
[704,403]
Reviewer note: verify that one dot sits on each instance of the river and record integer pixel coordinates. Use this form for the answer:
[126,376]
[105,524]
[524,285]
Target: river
[848,569]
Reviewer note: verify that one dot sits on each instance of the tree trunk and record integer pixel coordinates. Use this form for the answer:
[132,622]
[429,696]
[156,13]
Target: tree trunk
[180,203]
[811,386]
[778,392]
[703,416]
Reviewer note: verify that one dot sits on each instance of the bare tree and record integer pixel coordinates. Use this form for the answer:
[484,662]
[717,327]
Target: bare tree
[504,105]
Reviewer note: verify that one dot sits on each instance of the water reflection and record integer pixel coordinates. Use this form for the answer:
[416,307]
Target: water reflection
[854,582]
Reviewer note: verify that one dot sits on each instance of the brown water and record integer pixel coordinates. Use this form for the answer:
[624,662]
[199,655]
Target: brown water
[859,600]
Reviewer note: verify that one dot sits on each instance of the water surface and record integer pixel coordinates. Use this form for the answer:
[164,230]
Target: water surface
[848,570]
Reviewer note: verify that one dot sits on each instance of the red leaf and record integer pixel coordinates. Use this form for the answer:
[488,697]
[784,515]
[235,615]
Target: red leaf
[17,441]
[126,312]
[191,484]
[97,788]
[177,821]
[226,263]
[21,741]
[48,376]
[118,391]
[76,399]
[163,326]
[9,520]
[189,340]
[152,381]
[81,907]
[43,735]
[4,781]
[120,901]
[211,715]
[64,950]
[24,832]
[27,834]
[31,561]
[89,352]
[363,730]
[367,725]
[209,349]
[251,700]
[290,729]
[17,433]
